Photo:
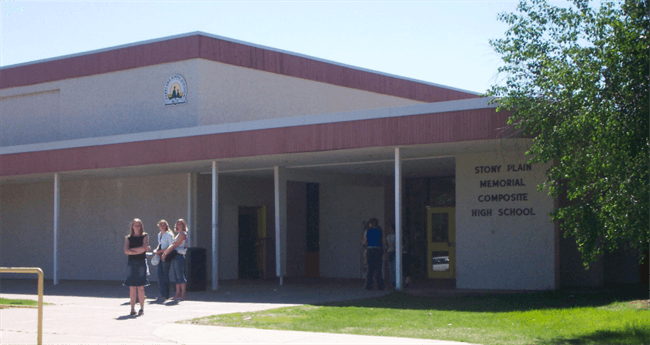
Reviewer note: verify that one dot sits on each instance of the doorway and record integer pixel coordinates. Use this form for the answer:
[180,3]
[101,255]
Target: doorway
[421,195]
[441,242]
[252,242]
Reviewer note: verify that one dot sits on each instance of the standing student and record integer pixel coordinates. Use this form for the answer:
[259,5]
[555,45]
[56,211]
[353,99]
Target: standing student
[136,245]
[374,241]
[165,239]
[178,263]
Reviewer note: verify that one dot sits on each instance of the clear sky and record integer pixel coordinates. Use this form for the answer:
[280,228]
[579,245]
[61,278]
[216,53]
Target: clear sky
[443,42]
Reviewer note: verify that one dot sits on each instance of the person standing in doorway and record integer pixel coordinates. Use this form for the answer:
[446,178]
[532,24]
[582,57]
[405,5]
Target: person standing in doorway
[136,245]
[374,241]
[165,239]
[178,263]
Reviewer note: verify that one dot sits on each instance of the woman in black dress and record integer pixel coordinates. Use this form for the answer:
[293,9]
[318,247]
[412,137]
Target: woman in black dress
[136,245]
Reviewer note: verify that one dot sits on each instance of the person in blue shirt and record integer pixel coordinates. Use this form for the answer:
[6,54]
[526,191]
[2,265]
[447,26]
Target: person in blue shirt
[374,241]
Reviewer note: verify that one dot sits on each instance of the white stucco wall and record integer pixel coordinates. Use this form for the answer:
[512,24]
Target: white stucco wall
[230,94]
[129,101]
[95,214]
[343,208]
[132,101]
[94,219]
[26,223]
[498,251]
[29,118]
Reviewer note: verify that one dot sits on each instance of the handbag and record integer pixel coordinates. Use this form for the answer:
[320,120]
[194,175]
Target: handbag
[171,256]
[155,260]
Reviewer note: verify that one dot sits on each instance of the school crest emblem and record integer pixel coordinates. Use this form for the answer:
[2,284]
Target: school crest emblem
[175,90]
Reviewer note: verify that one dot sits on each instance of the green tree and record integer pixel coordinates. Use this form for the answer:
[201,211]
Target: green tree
[576,79]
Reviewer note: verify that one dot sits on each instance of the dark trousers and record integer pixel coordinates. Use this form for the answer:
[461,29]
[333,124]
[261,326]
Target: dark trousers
[374,256]
[163,278]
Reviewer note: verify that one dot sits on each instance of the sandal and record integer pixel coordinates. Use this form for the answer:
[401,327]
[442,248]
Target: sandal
[132,312]
[141,312]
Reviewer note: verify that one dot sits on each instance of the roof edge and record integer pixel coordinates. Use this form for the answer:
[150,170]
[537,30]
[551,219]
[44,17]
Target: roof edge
[358,115]
[201,33]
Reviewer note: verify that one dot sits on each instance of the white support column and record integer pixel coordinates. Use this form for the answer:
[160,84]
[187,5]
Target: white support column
[195,233]
[280,188]
[189,217]
[215,226]
[56,228]
[398,220]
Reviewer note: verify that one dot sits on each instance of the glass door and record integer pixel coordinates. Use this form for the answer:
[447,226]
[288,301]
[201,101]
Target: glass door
[441,242]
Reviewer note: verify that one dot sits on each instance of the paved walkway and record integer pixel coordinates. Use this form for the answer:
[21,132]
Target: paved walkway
[96,313]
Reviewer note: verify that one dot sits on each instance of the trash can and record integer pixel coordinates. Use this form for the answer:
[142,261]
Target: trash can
[196,271]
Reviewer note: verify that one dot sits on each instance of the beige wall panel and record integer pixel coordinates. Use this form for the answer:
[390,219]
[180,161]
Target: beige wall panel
[343,208]
[27,227]
[97,214]
[496,251]
[231,94]
[94,219]
[29,118]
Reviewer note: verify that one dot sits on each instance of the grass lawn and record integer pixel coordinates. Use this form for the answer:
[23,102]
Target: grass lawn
[18,302]
[619,317]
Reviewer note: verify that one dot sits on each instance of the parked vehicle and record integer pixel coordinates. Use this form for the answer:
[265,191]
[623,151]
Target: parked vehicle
[440,263]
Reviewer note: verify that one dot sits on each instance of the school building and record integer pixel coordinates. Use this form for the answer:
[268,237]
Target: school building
[275,159]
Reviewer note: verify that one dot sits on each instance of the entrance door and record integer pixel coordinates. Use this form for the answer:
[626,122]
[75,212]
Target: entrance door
[261,242]
[252,242]
[441,242]
[247,240]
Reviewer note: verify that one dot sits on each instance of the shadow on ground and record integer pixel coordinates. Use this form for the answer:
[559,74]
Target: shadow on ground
[293,291]
[483,301]
[350,292]
[631,335]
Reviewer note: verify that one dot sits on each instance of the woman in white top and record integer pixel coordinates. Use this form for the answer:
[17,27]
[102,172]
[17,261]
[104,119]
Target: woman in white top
[165,239]
[177,273]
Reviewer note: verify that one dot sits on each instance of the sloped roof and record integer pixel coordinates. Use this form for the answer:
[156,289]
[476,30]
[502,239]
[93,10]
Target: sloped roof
[220,49]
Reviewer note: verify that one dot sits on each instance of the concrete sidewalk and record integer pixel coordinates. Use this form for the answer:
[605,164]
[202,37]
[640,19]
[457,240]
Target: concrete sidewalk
[97,313]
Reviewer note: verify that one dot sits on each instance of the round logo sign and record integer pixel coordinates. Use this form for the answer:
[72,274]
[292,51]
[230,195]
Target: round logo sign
[175,90]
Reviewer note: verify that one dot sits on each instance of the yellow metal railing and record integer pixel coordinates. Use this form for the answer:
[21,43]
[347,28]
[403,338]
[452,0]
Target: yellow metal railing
[39,272]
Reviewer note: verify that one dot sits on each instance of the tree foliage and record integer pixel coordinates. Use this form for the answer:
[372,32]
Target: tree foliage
[577,80]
